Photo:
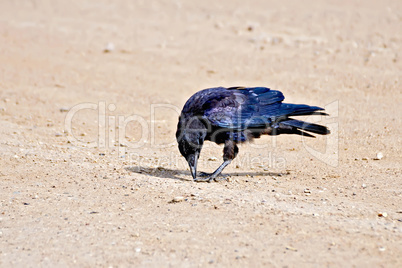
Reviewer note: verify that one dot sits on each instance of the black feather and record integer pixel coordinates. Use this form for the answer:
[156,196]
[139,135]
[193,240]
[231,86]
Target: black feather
[238,114]
[314,128]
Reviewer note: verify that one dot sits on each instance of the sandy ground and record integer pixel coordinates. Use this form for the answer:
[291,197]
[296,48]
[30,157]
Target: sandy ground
[89,94]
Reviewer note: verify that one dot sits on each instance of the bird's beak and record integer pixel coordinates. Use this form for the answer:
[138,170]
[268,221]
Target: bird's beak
[192,162]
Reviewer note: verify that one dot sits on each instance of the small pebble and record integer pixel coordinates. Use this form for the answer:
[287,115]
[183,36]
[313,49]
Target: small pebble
[64,110]
[58,134]
[109,48]
[379,156]
[219,25]
[177,199]
[383,214]
[291,248]
[213,158]
[364,186]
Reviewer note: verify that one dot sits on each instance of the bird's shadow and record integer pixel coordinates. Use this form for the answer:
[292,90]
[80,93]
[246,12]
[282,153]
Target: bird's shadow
[162,172]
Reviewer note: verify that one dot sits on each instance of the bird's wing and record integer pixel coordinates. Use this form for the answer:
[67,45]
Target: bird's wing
[240,108]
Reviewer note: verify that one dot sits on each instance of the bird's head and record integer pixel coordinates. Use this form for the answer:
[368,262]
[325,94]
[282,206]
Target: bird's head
[190,137]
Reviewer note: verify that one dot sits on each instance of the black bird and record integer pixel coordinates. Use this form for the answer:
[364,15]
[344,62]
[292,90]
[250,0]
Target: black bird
[234,115]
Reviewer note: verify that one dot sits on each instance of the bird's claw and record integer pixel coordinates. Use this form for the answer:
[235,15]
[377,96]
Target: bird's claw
[206,177]
[204,174]
[201,179]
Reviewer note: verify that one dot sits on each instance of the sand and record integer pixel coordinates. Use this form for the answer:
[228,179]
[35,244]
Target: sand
[90,173]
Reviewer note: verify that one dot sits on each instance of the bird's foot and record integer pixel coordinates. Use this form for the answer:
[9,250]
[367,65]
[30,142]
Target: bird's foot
[201,179]
[204,174]
[209,177]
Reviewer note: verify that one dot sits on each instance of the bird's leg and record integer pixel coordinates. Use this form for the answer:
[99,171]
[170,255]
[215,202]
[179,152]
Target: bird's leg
[207,177]
[229,153]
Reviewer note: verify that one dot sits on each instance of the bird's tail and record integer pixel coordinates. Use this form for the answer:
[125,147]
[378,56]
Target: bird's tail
[292,126]
[314,128]
[290,109]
